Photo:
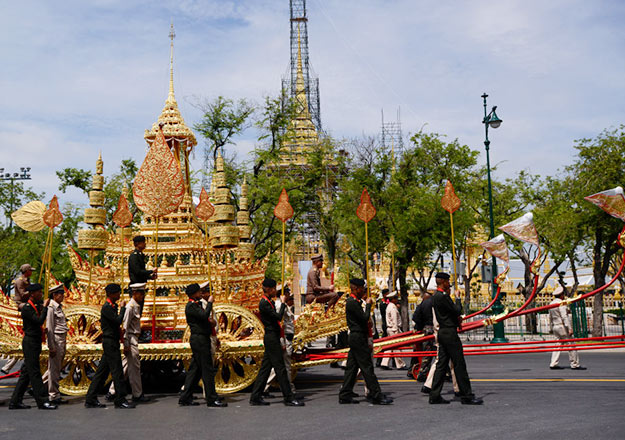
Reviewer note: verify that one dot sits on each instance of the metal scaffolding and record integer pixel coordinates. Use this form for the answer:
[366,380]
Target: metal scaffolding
[299,36]
[391,135]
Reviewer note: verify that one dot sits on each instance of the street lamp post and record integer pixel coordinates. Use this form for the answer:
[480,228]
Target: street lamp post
[24,174]
[492,120]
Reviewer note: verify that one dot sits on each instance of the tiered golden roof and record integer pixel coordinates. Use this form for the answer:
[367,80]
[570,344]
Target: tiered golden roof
[303,136]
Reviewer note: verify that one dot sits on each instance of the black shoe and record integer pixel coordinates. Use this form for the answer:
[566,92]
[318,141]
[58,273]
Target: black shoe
[348,401]
[334,365]
[457,394]
[109,397]
[95,404]
[425,390]
[187,403]
[141,399]
[294,403]
[125,405]
[579,368]
[18,406]
[354,395]
[217,404]
[409,375]
[59,401]
[471,401]
[267,395]
[556,367]
[382,401]
[439,401]
[4,372]
[259,402]
[384,367]
[48,405]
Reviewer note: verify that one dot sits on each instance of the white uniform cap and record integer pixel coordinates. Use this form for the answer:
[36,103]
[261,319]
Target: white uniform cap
[138,286]
[558,291]
[204,285]
[57,288]
[392,295]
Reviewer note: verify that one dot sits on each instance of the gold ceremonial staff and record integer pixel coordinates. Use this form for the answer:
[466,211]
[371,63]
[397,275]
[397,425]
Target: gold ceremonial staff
[158,190]
[366,212]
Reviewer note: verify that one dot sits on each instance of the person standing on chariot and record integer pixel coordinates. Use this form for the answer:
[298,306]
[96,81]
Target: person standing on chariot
[273,357]
[136,263]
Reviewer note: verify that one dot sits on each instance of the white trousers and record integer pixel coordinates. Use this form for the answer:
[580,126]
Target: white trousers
[561,333]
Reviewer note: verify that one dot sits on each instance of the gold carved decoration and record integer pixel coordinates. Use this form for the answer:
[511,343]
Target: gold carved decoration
[159,186]
[53,217]
[450,201]
[283,209]
[205,209]
[122,216]
[30,216]
[366,210]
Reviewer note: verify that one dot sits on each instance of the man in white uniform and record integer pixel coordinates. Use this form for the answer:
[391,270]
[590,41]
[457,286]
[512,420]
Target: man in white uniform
[560,326]
[393,327]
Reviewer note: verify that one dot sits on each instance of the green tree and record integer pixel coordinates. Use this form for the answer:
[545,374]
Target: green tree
[599,165]
[223,119]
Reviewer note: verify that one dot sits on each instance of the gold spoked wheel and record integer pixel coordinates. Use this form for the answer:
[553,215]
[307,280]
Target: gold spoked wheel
[84,328]
[240,353]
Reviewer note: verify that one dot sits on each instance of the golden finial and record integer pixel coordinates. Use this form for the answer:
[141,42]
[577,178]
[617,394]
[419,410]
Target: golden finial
[219,163]
[172,35]
[99,165]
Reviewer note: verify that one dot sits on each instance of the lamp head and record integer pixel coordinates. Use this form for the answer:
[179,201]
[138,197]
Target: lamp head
[493,119]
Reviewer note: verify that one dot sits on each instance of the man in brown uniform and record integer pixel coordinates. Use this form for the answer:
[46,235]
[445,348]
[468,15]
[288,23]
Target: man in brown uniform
[20,297]
[56,326]
[131,364]
[314,290]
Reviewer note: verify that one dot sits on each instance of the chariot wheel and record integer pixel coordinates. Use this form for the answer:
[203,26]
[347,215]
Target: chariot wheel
[237,360]
[84,328]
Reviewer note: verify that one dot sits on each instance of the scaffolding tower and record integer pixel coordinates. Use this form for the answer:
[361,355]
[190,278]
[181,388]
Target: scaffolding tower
[299,36]
[391,135]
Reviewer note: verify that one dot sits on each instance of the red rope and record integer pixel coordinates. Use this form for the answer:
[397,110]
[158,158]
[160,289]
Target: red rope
[479,312]
[10,375]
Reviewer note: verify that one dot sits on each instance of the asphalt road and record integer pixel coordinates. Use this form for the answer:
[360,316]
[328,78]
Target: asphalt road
[524,399]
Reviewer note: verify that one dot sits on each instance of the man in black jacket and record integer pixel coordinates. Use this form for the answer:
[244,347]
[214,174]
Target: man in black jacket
[34,314]
[360,352]
[111,362]
[136,263]
[424,322]
[201,367]
[448,316]
[272,357]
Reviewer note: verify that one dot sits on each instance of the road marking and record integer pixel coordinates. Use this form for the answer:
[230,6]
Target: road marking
[555,379]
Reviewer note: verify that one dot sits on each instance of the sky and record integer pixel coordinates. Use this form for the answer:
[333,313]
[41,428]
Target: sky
[84,76]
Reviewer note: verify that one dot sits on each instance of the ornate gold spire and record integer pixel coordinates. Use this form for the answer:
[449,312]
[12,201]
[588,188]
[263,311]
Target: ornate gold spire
[303,134]
[172,35]
[173,123]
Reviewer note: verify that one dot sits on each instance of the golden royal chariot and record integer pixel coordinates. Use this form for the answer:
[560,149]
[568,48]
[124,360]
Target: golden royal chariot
[187,250]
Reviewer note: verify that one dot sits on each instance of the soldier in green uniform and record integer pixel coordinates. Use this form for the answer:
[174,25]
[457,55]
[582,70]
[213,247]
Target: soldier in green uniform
[360,350]
[273,357]
[34,315]
[201,366]
[448,314]
[111,362]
